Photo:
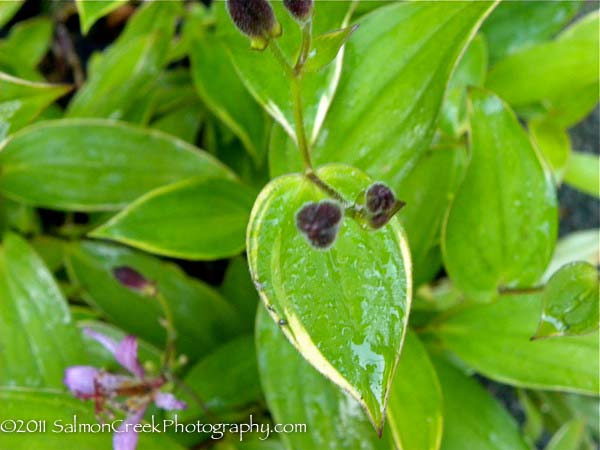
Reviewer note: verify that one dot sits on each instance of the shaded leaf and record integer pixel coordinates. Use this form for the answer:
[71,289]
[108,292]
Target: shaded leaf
[184,122]
[239,290]
[578,246]
[94,165]
[346,311]
[552,140]
[28,41]
[506,199]
[571,302]
[8,10]
[568,437]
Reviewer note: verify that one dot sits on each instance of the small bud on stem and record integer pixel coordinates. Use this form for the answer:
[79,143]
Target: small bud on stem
[381,204]
[132,279]
[300,9]
[256,20]
[320,222]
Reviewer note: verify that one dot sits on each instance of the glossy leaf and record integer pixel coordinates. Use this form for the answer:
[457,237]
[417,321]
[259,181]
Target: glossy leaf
[473,418]
[195,219]
[552,69]
[267,80]
[571,302]
[346,311]
[225,95]
[415,404]
[427,191]
[91,11]
[495,339]
[516,25]
[396,69]
[21,101]
[578,246]
[58,410]
[226,380]
[553,143]
[93,165]
[326,47]
[297,393]
[506,200]
[582,173]
[202,317]
[37,337]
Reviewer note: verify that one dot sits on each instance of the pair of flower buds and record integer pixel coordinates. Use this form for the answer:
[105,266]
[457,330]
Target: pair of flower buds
[255,18]
[320,222]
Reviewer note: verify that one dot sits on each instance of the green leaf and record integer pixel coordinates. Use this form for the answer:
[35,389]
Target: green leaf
[568,437]
[225,94]
[502,224]
[29,41]
[226,380]
[38,340]
[239,290]
[494,339]
[21,101]
[533,427]
[427,191]
[346,310]
[577,246]
[91,11]
[8,10]
[582,173]
[571,302]
[297,393]
[195,219]
[415,404]
[18,217]
[61,411]
[550,70]
[396,69]
[473,418]
[516,25]
[183,123]
[553,143]
[326,47]
[94,165]
[268,82]
[572,107]
[202,317]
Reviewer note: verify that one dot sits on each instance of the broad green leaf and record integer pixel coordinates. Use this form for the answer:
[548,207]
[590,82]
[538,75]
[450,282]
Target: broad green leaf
[473,418]
[495,339]
[195,219]
[550,70]
[326,47]
[239,290]
[553,143]
[582,173]
[21,101]
[61,411]
[126,71]
[415,404]
[226,380]
[396,69]
[94,165]
[91,11]
[183,122]
[571,302]
[202,317]
[568,437]
[427,191]
[8,10]
[345,309]
[519,24]
[28,41]
[225,94]
[502,224]
[578,246]
[571,108]
[471,71]
[297,393]
[38,340]
[266,79]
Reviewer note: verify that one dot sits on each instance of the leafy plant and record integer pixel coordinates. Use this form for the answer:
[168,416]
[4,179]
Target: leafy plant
[341,215]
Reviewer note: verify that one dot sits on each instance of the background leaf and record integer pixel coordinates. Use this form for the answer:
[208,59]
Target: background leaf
[326,47]
[91,11]
[8,10]
[581,173]
[569,437]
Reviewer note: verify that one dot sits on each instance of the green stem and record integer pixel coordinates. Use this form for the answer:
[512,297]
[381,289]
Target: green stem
[503,290]
[304,48]
[299,122]
[169,355]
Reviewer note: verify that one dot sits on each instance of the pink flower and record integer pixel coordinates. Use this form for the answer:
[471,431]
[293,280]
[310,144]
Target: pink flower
[131,393]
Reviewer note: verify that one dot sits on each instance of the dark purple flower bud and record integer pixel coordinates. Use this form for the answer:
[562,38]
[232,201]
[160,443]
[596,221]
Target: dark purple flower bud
[132,279]
[320,222]
[300,9]
[255,19]
[379,198]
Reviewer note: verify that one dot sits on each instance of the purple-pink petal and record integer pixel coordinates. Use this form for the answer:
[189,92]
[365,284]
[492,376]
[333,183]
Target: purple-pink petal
[110,344]
[168,401]
[80,380]
[127,356]
[125,438]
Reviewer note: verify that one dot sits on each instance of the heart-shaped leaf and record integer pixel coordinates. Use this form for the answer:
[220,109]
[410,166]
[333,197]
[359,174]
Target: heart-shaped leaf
[571,302]
[345,309]
[297,393]
[505,200]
